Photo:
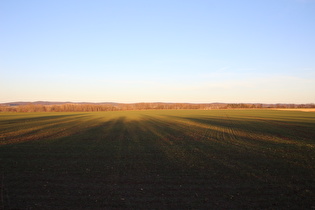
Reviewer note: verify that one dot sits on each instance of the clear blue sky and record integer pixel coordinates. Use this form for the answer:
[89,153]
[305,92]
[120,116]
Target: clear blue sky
[158,51]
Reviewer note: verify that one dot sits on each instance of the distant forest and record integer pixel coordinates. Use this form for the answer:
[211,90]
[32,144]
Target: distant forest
[95,107]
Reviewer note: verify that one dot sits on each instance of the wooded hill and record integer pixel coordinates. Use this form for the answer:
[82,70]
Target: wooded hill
[93,107]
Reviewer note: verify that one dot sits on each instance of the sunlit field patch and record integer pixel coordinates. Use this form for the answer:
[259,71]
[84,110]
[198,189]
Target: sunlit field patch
[180,159]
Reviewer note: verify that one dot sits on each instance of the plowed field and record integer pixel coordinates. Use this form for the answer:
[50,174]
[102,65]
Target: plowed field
[216,159]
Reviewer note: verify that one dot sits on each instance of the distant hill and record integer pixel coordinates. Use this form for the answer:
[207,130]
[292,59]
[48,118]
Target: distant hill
[47,106]
[21,103]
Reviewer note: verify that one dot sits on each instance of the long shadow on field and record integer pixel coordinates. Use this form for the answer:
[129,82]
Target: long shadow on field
[28,119]
[38,128]
[153,163]
[258,138]
[241,156]
[270,129]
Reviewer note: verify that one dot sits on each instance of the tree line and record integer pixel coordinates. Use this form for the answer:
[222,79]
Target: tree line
[72,107]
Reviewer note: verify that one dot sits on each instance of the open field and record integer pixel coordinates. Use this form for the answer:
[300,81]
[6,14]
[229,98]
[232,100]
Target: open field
[219,159]
[299,109]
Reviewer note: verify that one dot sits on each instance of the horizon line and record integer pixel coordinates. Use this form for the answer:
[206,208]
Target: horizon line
[110,102]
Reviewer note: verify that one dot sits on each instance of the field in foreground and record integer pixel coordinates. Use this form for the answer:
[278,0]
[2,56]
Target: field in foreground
[220,159]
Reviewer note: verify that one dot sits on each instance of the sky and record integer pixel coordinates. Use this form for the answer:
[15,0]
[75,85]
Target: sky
[195,51]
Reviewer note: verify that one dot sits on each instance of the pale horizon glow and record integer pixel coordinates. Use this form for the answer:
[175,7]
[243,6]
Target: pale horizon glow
[158,51]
